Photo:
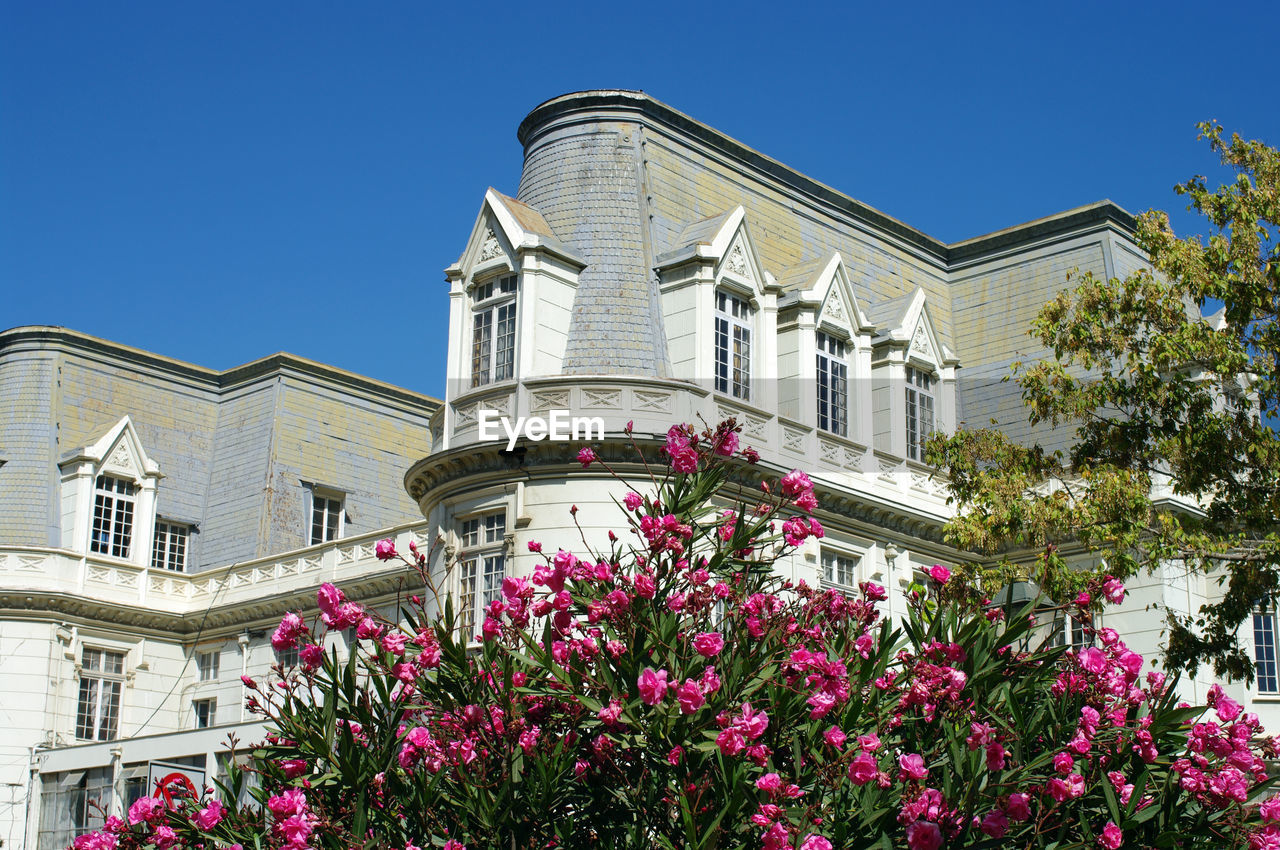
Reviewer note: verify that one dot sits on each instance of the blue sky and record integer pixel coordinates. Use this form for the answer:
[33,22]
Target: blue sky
[218,182]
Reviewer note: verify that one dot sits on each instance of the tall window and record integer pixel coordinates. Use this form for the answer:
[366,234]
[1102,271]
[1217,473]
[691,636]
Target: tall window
[326,518]
[101,680]
[839,571]
[1264,650]
[1066,630]
[483,567]
[833,386]
[207,665]
[733,346]
[169,547]
[112,517]
[919,411]
[71,804]
[205,712]
[493,331]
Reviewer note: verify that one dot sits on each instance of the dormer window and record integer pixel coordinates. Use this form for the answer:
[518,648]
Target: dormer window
[832,385]
[113,500]
[493,331]
[919,411]
[733,346]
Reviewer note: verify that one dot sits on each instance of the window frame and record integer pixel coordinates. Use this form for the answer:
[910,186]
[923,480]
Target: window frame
[495,307]
[482,565]
[333,520]
[114,516]
[170,551]
[209,706]
[854,564]
[99,715]
[1264,623]
[208,672]
[831,384]
[731,344]
[921,398]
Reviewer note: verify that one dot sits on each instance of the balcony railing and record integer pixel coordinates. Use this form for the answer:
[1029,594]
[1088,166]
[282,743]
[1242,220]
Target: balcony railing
[47,570]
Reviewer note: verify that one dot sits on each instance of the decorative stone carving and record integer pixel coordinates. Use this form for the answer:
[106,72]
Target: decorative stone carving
[121,458]
[793,439]
[835,306]
[490,248]
[600,398]
[736,262]
[920,342]
[652,401]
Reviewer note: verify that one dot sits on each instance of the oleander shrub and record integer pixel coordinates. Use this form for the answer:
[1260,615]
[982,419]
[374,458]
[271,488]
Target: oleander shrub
[673,690]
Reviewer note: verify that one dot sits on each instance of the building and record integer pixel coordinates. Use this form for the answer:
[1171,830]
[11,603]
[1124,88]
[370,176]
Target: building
[648,269]
[156,518]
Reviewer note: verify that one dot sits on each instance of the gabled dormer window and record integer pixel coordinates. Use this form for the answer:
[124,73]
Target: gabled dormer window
[919,411]
[733,346]
[832,385]
[113,500]
[493,331]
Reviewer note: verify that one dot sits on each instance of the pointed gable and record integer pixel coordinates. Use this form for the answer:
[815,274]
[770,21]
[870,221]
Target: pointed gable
[504,228]
[905,321]
[118,452]
[725,241]
[825,285]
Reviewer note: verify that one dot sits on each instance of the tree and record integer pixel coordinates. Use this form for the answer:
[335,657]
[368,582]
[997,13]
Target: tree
[1175,458]
[674,692]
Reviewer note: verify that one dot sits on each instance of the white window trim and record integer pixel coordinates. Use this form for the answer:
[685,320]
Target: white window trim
[1269,622]
[916,427]
[211,720]
[315,494]
[836,419]
[98,716]
[477,583]
[214,670]
[491,299]
[736,329]
[115,503]
[164,553]
[830,584]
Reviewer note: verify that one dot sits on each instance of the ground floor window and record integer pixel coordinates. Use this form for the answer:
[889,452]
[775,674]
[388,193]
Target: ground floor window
[72,803]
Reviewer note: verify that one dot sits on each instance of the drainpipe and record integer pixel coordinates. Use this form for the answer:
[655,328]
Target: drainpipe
[243,641]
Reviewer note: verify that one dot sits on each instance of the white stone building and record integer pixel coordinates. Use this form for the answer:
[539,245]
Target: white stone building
[156,517]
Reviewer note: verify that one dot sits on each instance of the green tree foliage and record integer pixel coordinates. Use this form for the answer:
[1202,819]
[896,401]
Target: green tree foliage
[1175,460]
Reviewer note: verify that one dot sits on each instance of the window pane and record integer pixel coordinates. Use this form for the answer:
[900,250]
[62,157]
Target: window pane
[1264,652]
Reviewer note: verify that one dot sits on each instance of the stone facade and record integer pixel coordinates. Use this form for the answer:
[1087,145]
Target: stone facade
[234,461]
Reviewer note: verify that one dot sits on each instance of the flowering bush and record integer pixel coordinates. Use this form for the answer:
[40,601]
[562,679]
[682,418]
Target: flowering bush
[674,691]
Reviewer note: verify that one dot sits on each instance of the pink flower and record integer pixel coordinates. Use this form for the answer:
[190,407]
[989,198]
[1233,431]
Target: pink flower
[210,816]
[385,550]
[310,656]
[1111,837]
[690,697]
[146,810]
[329,598]
[163,837]
[586,457]
[1018,806]
[287,633]
[796,482]
[835,737]
[912,766]
[1270,810]
[995,824]
[731,741]
[653,686]
[454,845]
[815,842]
[1113,590]
[709,644]
[685,460]
[869,743]
[939,573]
[632,500]
[923,835]
[770,783]
[1092,660]
[995,757]
[1063,763]
[863,769]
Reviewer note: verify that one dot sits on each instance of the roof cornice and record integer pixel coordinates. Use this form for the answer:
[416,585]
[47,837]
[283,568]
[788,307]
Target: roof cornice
[50,337]
[618,104]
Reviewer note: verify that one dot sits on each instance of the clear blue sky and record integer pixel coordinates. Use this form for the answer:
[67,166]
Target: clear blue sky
[217,182]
